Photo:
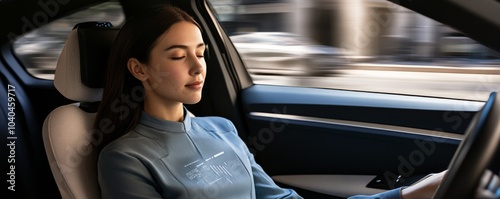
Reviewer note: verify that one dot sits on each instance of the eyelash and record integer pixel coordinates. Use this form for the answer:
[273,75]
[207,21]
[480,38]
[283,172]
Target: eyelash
[179,58]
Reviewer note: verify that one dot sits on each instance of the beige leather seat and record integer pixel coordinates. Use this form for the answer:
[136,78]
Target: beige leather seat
[67,131]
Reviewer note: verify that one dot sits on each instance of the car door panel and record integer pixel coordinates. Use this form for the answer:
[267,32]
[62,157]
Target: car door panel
[32,102]
[309,131]
[341,186]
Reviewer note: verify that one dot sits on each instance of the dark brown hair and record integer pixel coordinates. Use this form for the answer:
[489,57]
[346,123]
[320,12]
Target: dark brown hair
[123,94]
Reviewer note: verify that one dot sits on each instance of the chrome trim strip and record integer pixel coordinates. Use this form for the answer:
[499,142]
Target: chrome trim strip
[366,125]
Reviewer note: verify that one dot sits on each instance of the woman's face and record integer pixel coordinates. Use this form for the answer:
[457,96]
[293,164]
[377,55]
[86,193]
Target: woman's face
[176,69]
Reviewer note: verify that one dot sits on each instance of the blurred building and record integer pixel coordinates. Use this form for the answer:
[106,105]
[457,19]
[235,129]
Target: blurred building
[238,16]
[369,29]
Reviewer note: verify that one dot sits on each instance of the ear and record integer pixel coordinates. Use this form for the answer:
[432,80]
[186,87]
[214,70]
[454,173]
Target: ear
[137,69]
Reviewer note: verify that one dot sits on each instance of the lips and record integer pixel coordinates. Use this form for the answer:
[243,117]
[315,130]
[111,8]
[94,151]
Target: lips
[195,85]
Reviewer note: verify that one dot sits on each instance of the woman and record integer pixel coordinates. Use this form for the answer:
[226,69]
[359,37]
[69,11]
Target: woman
[155,148]
[156,66]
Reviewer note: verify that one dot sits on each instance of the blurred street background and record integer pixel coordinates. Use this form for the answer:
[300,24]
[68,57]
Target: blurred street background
[366,45]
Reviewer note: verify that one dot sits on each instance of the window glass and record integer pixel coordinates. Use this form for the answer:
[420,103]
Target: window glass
[362,45]
[39,49]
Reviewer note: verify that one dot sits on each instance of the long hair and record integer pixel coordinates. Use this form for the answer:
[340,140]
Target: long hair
[123,94]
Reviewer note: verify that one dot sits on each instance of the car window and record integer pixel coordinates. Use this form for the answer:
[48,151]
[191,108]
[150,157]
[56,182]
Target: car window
[361,45]
[39,49]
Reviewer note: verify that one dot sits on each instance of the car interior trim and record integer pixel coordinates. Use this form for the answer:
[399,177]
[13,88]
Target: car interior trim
[262,94]
[438,135]
[334,185]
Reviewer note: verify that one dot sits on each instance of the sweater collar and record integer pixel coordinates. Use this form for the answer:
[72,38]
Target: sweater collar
[166,125]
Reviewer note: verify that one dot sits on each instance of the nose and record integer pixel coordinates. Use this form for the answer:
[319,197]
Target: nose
[197,65]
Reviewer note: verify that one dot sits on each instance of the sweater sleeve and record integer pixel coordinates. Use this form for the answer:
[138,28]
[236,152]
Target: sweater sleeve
[265,188]
[391,194]
[124,176]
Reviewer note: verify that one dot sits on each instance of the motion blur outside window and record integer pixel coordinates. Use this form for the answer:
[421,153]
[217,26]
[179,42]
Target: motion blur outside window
[361,45]
[39,50]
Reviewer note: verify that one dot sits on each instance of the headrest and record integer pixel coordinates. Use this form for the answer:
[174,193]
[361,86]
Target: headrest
[81,67]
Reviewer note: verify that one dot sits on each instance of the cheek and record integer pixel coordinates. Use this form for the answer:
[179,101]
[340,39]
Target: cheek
[173,78]
[158,74]
[173,81]
[161,70]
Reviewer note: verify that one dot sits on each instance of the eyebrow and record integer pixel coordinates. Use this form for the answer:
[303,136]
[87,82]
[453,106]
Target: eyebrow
[183,46]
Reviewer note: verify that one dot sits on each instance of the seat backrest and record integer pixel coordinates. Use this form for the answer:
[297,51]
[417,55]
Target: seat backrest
[68,138]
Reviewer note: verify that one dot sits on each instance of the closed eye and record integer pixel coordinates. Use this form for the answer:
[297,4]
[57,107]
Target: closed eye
[178,58]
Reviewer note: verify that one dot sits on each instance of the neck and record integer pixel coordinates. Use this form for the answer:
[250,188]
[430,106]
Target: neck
[167,111]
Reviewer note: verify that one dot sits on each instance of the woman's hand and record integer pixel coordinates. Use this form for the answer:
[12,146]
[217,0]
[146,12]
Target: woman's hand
[425,188]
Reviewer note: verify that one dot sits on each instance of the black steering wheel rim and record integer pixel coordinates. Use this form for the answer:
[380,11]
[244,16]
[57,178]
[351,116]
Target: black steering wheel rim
[474,154]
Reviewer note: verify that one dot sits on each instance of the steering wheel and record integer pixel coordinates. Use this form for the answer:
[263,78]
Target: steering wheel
[474,154]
